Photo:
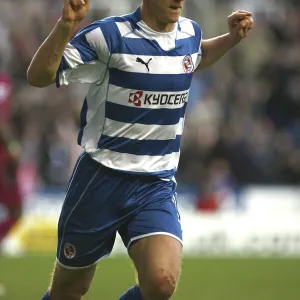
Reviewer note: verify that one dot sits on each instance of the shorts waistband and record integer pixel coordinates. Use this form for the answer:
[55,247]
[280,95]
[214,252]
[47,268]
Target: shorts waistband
[123,174]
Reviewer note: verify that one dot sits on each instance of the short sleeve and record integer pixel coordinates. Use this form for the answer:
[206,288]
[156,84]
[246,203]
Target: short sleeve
[85,57]
[198,40]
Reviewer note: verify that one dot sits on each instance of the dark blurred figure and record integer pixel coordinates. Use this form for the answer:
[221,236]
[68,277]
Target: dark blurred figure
[9,160]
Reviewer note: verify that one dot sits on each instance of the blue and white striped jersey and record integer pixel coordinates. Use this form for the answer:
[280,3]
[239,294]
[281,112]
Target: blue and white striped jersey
[133,115]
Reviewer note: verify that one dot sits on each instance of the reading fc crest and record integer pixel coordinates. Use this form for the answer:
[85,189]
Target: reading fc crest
[187,63]
[69,251]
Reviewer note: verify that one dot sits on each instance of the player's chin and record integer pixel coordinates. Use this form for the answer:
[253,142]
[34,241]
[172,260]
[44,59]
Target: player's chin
[173,15]
[173,18]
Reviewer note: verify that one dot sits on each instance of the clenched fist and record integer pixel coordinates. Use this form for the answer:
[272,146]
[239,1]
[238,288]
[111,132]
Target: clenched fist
[239,23]
[74,11]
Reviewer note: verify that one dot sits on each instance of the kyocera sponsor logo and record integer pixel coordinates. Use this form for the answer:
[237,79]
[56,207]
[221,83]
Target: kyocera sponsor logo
[138,98]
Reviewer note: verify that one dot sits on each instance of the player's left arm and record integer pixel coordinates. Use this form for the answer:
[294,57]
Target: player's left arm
[239,24]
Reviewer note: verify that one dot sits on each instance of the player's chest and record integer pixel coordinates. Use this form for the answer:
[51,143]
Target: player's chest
[152,72]
[142,64]
[154,64]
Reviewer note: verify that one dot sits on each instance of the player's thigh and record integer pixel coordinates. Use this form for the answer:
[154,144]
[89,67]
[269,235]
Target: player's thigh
[67,282]
[154,239]
[157,259]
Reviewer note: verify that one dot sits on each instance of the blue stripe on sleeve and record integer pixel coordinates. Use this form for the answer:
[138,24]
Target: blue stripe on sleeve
[85,50]
[198,35]
[150,82]
[107,26]
[133,115]
[110,32]
[137,147]
[83,121]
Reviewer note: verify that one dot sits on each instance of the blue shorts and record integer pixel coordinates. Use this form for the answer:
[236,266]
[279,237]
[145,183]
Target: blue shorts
[101,202]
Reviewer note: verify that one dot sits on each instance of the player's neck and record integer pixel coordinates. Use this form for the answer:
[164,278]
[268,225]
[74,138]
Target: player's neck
[152,22]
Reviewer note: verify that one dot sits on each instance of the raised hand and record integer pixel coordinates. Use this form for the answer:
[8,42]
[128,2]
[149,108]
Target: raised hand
[239,23]
[74,11]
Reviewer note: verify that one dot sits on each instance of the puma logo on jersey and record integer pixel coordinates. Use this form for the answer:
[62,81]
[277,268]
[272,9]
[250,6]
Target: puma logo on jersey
[139,60]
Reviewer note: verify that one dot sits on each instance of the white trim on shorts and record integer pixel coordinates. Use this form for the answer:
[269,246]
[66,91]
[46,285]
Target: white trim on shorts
[84,267]
[76,167]
[72,177]
[153,233]
[68,217]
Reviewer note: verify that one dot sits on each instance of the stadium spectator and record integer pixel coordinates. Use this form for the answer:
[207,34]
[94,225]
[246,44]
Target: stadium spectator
[10,195]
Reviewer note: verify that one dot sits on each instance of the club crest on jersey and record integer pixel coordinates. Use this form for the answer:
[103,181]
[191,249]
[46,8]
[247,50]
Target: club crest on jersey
[187,63]
[69,251]
[135,98]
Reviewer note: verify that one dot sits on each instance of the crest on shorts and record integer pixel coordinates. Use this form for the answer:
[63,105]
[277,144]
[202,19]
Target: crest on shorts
[69,251]
[188,64]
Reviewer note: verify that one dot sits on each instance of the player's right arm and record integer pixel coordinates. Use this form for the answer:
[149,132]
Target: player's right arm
[46,61]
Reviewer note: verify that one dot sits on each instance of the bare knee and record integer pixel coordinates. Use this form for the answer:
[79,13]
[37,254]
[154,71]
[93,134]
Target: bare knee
[157,260]
[161,287]
[70,284]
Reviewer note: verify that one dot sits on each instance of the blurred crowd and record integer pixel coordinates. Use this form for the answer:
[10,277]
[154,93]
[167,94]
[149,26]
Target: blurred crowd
[243,120]
[243,125]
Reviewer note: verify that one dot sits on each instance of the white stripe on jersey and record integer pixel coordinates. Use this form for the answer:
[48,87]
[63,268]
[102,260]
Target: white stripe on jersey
[182,35]
[72,56]
[126,29]
[136,163]
[97,41]
[121,96]
[159,65]
[95,116]
[186,27]
[141,131]
[90,73]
